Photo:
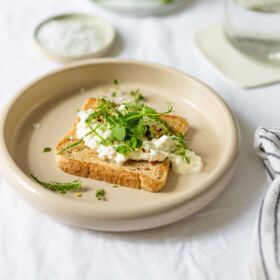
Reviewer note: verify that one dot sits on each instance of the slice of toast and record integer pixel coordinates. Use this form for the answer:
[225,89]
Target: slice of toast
[84,162]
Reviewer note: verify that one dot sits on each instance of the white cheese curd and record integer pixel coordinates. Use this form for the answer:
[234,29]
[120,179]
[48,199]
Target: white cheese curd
[151,155]
[164,143]
[105,152]
[83,115]
[157,149]
[182,167]
[120,158]
[122,108]
[91,140]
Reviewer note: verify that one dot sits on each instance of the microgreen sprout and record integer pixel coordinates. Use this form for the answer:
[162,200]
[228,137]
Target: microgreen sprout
[130,126]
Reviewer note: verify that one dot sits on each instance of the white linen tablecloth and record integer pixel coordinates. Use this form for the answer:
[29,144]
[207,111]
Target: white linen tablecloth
[212,244]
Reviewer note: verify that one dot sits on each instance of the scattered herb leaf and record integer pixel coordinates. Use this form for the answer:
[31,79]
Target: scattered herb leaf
[137,95]
[47,150]
[59,187]
[116,82]
[100,194]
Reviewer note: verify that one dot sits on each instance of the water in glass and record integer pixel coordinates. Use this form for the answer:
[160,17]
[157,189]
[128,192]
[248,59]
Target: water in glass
[253,26]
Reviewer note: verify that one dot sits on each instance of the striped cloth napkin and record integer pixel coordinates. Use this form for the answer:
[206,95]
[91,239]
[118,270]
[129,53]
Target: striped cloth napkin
[265,253]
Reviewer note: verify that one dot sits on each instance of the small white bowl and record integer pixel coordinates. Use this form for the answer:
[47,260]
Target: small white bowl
[108,33]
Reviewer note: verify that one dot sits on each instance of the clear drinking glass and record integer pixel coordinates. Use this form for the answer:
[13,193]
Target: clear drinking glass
[253,26]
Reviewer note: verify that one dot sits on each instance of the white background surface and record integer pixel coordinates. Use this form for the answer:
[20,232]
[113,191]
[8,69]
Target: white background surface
[212,244]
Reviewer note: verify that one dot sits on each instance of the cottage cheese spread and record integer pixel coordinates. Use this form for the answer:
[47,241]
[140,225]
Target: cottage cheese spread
[157,149]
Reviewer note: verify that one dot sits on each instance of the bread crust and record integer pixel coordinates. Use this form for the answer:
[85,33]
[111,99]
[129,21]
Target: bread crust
[84,162]
[114,175]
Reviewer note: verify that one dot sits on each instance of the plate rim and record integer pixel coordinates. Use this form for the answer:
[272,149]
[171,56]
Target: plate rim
[10,168]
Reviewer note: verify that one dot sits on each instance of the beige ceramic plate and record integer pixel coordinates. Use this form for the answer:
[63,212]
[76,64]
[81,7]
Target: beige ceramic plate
[52,102]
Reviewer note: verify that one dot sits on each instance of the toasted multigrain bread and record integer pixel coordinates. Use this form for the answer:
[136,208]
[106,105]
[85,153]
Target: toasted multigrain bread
[84,162]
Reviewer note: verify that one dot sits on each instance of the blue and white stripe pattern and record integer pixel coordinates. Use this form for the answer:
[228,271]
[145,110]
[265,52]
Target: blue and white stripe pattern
[265,257]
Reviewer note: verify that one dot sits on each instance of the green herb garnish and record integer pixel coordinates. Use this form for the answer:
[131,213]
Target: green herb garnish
[77,143]
[181,147]
[59,187]
[100,194]
[116,82]
[137,95]
[130,126]
[47,150]
[118,132]
[71,146]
